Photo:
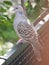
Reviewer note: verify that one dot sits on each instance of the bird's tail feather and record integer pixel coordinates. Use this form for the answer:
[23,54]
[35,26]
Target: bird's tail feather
[37,54]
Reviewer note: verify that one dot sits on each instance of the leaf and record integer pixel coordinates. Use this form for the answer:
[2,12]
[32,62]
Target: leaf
[12,18]
[2,9]
[26,4]
[4,5]
[8,2]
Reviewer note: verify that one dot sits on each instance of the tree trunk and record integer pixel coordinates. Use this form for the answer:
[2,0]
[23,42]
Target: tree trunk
[47,3]
[22,3]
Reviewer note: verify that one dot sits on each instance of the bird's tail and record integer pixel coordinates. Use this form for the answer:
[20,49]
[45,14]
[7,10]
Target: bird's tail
[37,54]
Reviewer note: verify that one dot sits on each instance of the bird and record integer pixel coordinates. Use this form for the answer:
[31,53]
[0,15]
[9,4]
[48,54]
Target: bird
[26,31]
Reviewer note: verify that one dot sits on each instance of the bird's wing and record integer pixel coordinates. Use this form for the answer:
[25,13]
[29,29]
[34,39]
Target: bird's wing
[28,34]
[25,31]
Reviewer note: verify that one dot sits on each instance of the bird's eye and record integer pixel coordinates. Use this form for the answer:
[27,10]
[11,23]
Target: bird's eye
[16,7]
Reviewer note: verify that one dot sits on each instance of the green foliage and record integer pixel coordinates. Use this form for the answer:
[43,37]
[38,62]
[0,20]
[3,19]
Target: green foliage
[37,1]
[2,9]
[33,13]
[8,3]
[7,33]
[41,3]
[6,24]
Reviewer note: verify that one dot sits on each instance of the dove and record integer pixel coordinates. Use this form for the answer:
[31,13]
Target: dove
[26,31]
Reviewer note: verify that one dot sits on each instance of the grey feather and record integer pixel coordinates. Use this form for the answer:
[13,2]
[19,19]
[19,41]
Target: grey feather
[25,31]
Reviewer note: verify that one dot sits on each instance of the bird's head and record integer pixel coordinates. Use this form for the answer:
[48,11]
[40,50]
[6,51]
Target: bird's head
[18,8]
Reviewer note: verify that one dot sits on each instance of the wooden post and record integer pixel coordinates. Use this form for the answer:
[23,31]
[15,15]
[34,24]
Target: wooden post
[22,3]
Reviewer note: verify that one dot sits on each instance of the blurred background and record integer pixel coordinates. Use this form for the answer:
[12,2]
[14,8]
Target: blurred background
[32,9]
